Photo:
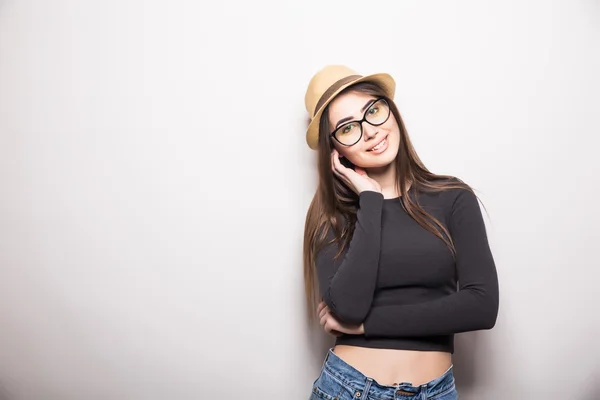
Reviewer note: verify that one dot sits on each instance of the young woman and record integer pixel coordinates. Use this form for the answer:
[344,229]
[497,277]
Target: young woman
[398,255]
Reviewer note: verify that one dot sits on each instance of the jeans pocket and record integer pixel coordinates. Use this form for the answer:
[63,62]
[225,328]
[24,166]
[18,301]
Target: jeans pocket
[447,394]
[327,387]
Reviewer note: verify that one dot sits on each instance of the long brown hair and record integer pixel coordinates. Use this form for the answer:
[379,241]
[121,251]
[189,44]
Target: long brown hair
[334,205]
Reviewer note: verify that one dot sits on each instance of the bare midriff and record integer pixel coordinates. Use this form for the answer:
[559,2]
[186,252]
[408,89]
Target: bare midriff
[390,366]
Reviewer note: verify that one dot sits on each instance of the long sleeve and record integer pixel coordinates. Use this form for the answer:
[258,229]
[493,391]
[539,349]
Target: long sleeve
[348,283]
[473,307]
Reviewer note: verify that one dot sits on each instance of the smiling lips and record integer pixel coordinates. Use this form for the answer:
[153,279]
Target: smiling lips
[379,147]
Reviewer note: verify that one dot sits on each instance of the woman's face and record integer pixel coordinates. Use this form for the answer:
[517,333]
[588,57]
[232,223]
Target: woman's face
[379,144]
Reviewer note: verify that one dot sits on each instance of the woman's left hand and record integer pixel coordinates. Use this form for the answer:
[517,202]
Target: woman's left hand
[333,326]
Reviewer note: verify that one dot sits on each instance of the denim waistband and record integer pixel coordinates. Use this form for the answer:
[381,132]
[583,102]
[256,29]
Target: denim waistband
[369,387]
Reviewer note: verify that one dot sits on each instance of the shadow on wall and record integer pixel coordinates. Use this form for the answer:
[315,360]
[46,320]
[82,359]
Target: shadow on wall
[474,366]
[320,344]
[474,372]
[591,387]
[474,369]
[467,347]
[4,394]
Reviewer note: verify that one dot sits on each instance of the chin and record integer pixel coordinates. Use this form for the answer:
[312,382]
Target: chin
[380,163]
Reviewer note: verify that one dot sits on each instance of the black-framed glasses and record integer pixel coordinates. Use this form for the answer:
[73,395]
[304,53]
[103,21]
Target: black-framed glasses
[351,132]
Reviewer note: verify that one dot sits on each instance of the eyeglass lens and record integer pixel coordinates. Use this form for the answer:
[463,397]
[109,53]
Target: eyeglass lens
[351,132]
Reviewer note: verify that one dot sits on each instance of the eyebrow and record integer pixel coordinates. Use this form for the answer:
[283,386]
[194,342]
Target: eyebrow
[361,110]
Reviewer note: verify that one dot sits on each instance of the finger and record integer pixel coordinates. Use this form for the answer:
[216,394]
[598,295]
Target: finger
[320,307]
[327,328]
[334,157]
[338,166]
[333,332]
[339,169]
[340,176]
[346,174]
[323,320]
[333,324]
[323,316]
[334,154]
[324,311]
[342,172]
[331,329]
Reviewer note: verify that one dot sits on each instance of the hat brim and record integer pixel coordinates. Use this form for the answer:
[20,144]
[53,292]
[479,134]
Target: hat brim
[383,79]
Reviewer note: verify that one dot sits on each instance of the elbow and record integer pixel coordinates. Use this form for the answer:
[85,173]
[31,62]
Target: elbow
[489,321]
[486,302]
[489,314]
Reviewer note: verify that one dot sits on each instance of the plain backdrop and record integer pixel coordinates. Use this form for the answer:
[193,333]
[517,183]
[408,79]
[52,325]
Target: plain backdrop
[154,180]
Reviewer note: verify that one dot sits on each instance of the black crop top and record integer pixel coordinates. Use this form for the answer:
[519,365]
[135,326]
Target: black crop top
[401,281]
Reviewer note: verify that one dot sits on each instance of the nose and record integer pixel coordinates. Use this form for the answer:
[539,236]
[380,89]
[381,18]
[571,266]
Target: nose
[369,130]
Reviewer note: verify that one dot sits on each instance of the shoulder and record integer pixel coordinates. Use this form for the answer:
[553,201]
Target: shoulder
[464,208]
[455,193]
[463,194]
[446,189]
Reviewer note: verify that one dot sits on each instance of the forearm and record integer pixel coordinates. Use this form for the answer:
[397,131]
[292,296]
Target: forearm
[348,283]
[467,310]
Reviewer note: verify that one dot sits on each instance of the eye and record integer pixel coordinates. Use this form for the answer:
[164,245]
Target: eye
[347,128]
[373,110]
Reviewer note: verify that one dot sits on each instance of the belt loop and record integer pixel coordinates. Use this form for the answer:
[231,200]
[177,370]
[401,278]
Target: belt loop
[367,388]
[424,391]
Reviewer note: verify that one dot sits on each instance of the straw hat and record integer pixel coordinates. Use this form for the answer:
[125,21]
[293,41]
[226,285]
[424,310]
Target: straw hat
[326,84]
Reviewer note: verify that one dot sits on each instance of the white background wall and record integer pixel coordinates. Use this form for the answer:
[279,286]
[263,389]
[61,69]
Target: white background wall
[155,178]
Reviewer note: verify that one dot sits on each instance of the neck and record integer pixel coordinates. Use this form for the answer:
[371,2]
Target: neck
[386,177]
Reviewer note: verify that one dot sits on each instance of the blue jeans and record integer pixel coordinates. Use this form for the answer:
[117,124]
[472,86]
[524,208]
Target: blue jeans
[340,381]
